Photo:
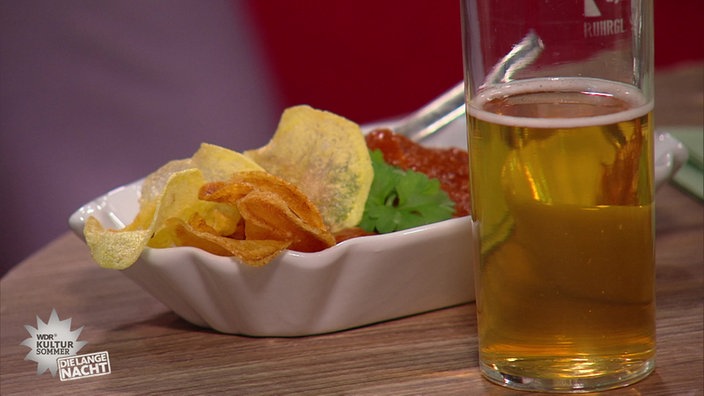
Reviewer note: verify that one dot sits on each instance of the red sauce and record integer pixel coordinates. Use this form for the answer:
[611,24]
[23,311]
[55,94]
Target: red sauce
[449,165]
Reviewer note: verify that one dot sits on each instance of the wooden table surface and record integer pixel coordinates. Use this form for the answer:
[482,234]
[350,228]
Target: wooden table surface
[152,350]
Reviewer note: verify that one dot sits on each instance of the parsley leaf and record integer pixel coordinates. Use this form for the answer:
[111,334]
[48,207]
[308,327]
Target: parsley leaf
[401,199]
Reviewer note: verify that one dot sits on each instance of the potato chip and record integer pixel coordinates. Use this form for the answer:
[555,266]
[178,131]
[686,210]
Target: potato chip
[272,208]
[170,192]
[267,216]
[219,163]
[226,203]
[114,249]
[223,219]
[241,184]
[324,155]
[154,184]
[180,196]
[252,252]
[215,218]
[214,162]
[118,249]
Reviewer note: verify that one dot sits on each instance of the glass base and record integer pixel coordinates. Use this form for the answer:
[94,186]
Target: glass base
[603,382]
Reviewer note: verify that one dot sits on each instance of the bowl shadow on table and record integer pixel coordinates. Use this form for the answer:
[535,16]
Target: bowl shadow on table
[165,320]
[401,352]
[172,321]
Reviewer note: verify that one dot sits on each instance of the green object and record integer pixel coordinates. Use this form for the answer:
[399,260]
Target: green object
[691,176]
[401,199]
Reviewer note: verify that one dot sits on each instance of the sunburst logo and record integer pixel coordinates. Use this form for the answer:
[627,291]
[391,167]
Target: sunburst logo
[51,340]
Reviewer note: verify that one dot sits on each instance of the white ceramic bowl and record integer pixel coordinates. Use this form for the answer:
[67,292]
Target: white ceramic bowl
[357,282]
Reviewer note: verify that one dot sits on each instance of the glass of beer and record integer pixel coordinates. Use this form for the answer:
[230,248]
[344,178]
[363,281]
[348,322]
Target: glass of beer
[560,134]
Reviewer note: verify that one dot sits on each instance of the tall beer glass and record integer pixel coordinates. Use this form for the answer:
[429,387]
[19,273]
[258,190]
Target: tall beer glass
[560,134]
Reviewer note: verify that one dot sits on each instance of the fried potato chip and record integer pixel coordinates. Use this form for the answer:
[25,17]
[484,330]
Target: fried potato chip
[228,204]
[219,163]
[118,249]
[114,249]
[155,183]
[180,196]
[214,162]
[242,183]
[222,219]
[170,192]
[215,218]
[326,156]
[272,208]
[252,252]
[267,216]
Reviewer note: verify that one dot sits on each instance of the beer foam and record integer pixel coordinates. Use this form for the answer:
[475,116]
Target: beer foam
[639,105]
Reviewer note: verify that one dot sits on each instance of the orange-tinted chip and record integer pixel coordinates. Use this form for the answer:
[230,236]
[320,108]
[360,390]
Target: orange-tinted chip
[267,216]
[252,252]
[243,183]
[272,208]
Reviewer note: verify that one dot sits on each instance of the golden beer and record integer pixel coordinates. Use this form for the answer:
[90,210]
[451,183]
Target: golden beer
[562,190]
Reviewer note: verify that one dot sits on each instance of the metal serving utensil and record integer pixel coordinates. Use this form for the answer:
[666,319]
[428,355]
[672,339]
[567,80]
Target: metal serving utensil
[434,116]
[449,106]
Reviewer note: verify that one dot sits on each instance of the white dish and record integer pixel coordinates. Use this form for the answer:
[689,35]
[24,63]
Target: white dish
[355,283]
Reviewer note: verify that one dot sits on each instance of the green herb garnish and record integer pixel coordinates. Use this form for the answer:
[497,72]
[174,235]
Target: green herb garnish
[401,199]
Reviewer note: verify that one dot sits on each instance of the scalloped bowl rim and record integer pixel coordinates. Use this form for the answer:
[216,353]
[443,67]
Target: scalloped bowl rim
[357,282]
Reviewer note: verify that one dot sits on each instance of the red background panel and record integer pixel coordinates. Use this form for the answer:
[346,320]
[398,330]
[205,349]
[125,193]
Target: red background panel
[364,59]
[375,59]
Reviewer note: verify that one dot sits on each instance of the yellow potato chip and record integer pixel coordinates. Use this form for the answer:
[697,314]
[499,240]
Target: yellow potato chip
[154,184]
[324,155]
[180,196]
[114,249]
[219,163]
[217,218]
[214,162]
[118,249]
[170,192]
[228,204]
[222,219]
